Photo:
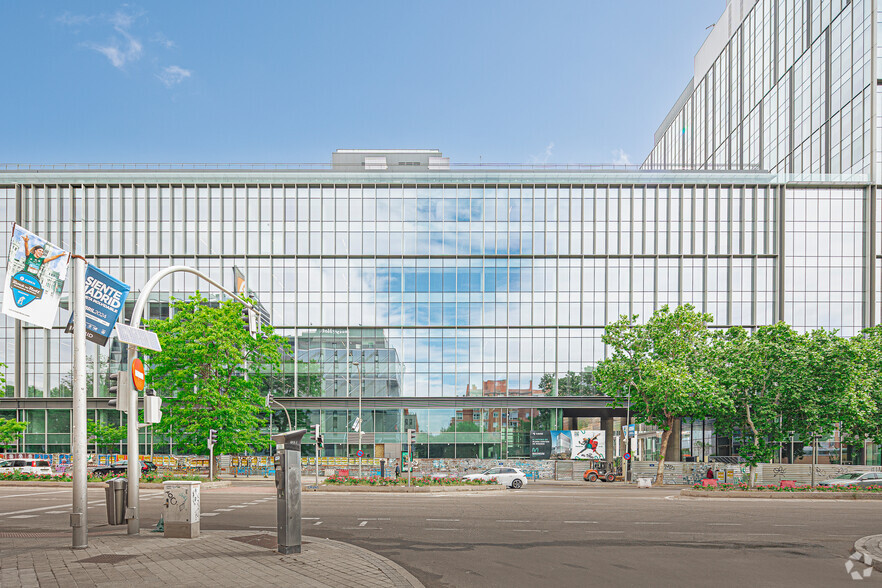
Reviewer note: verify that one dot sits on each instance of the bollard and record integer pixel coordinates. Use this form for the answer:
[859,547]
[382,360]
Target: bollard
[182,508]
[287,462]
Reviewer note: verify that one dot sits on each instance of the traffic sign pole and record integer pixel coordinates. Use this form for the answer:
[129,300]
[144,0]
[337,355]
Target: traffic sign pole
[78,517]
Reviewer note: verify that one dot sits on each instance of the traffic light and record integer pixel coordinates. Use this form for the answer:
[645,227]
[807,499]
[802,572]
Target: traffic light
[320,442]
[152,407]
[121,388]
[212,437]
[269,399]
[251,318]
[411,437]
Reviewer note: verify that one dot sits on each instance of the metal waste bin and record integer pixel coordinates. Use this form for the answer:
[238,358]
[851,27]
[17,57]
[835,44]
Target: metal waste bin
[116,496]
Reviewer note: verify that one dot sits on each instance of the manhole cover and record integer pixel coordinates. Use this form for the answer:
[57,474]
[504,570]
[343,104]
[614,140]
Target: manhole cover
[260,540]
[106,558]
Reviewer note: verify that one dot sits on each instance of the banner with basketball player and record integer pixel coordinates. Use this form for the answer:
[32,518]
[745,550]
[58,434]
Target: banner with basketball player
[35,275]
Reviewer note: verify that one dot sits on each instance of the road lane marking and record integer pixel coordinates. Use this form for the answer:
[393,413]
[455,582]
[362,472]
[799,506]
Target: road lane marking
[510,521]
[607,531]
[528,531]
[360,519]
[362,523]
[310,518]
[42,508]
[57,512]
[650,523]
[209,514]
[316,524]
[37,494]
[580,522]
[23,517]
[725,524]
[256,527]
[237,506]
[441,529]
[444,520]
[790,525]
[224,509]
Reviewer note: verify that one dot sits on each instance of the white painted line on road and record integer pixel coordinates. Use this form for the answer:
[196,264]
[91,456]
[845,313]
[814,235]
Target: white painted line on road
[360,519]
[362,523]
[255,527]
[790,525]
[57,506]
[764,534]
[57,512]
[580,522]
[724,524]
[36,494]
[444,520]
[237,506]
[316,524]
[224,509]
[441,529]
[528,531]
[209,514]
[23,517]
[510,521]
[607,531]
[310,518]
[650,523]
[360,528]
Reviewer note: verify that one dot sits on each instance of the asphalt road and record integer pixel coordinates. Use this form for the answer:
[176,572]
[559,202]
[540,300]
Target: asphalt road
[574,535]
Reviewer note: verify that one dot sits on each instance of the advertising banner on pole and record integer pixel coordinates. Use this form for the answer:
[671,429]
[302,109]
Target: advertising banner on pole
[105,297]
[35,275]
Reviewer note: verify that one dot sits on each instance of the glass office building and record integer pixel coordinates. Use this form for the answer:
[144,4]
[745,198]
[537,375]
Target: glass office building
[440,297]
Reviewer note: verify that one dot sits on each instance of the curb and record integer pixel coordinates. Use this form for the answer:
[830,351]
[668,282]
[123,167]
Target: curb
[42,484]
[404,489]
[870,546]
[783,495]
[375,558]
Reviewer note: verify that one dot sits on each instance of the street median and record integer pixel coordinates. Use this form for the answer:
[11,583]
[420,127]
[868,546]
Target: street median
[804,495]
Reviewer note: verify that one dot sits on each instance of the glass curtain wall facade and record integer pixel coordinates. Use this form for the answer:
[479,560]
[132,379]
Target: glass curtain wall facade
[781,85]
[443,298]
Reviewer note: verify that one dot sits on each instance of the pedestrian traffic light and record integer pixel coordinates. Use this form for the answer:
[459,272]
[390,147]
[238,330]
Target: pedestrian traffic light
[319,442]
[120,388]
[411,436]
[212,437]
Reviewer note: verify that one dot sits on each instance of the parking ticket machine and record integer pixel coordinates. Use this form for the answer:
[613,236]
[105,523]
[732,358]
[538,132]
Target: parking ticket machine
[287,462]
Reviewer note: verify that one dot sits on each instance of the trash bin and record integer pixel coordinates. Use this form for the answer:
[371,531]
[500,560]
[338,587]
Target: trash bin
[116,496]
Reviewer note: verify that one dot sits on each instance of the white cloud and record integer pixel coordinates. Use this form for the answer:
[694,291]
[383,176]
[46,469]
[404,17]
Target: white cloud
[74,19]
[544,157]
[173,75]
[620,157]
[162,40]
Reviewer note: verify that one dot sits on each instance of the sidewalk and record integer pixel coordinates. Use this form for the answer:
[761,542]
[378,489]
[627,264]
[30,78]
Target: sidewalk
[216,558]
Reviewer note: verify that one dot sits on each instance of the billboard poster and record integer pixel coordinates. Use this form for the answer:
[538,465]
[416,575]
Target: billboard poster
[105,297]
[582,444]
[540,444]
[35,275]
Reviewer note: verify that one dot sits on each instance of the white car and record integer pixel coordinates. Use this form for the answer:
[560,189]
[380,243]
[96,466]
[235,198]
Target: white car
[511,477]
[855,479]
[26,466]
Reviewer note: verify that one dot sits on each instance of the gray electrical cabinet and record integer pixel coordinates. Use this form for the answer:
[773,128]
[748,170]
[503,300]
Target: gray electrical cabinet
[287,462]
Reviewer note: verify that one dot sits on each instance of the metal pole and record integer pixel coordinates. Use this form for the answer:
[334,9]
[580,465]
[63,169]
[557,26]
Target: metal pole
[814,456]
[791,447]
[211,463]
[78,517]
[360,423]
[133,469]
[627,462]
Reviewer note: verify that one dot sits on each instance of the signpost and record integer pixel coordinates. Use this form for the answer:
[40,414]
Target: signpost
[137,374]
[105,296]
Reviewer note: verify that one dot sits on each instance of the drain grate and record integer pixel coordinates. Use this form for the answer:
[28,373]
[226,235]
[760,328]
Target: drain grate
[108,558]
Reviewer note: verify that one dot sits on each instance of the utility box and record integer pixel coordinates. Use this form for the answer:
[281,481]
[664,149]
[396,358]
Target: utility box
[288,509]
[182,509]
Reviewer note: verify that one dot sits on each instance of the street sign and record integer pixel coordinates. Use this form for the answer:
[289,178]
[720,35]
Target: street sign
[137,337]
[627,456]
[359,453]
[138,374]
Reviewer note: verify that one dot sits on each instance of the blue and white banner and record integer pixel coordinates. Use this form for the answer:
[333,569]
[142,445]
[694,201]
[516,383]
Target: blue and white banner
[35,276]
[105,297]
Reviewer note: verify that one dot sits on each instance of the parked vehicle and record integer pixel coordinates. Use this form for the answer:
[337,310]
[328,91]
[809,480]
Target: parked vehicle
[600,470]
[121,468]
[26,466]
[854,479]
[511,477]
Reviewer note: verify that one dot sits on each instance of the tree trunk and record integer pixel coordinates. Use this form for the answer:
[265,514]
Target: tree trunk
[666,435]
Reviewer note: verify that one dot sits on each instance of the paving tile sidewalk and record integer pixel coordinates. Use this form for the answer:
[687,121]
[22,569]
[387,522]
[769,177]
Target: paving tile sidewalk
[213,559]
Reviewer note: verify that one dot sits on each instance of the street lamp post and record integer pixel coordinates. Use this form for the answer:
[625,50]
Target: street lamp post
[360,423]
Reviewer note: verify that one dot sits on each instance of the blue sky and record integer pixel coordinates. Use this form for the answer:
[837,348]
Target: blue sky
[495,81]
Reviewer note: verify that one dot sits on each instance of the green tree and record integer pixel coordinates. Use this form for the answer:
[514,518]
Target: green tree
[105,437]
[861,404]
[10,431]
[757,371]
[212,374]
[661,367]
[571,383]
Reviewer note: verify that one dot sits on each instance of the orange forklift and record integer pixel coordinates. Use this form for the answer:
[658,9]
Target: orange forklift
[600,470]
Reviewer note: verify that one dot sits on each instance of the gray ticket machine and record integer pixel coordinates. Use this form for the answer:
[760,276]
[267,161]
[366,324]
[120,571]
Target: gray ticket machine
[287,462]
